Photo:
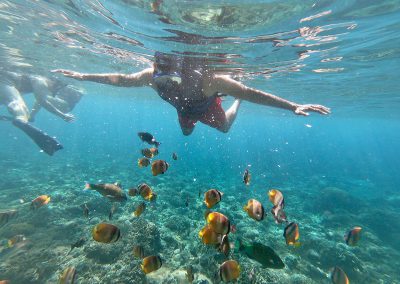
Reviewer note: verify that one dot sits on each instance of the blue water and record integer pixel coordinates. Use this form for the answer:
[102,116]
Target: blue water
[336,171]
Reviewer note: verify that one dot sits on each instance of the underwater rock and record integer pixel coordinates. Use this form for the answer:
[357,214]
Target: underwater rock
[340,255]
[146,234]
[119,273]
[334,200]
[202,281]
[313,255]
[11,230]
[170,241]
[204,261]
[300,279]
[385,224]
[251,234]
[17,261]
[337,219]
[176,223]
[291,261]
[168,276]
[103,253]
[314,272]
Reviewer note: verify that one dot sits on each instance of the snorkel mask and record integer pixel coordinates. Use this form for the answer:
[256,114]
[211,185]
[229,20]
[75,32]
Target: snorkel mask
[167,69]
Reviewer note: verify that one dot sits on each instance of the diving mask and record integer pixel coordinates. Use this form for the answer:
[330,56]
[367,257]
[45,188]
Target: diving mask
[167,78]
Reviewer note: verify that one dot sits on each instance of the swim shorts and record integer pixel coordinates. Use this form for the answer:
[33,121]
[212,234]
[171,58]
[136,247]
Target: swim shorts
[214,117]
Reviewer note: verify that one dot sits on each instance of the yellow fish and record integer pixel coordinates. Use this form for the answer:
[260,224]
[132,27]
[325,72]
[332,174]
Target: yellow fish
[138,251]
[229,270]
[159,167]
[154,151]
[276,197]
[147,153]
[40,201]
[254,209]
[139,210]
[212,197]
[209,237]
[68,276]
[151,263]
[219,223]
[106,233]
[145,191]
[353,236]
[291,234]
[143,162]
[338,276]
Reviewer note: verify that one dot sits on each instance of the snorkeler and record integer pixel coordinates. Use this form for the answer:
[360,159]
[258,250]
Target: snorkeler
[51,94]
[189,85]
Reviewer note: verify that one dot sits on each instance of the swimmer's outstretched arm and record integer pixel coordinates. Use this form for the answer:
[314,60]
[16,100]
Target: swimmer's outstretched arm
[139,79]
[226,85]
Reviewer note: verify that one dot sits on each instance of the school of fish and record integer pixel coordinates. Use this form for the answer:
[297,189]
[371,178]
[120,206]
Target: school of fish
[215,233]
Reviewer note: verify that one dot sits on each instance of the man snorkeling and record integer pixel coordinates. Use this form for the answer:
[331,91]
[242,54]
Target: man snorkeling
[194,90]
[51,94]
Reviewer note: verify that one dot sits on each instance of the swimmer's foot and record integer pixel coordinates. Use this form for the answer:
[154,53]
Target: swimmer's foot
[230,115]
[232,111]
[48,144]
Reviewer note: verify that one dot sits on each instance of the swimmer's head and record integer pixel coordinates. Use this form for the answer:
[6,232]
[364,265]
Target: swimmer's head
[167,68]
[167,63]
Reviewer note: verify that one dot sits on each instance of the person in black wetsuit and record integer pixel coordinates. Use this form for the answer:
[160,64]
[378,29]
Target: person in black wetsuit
[51,94]
[187,84]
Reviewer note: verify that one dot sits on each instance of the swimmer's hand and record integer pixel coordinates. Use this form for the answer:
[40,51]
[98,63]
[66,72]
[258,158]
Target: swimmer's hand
[69,73]
[304,109]
[68,117]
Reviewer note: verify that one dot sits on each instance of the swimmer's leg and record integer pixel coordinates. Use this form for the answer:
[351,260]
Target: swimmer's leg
[48,144]
[187,131]
[14,102]
[17,107]
[36,107]
[230,115]
[187,124]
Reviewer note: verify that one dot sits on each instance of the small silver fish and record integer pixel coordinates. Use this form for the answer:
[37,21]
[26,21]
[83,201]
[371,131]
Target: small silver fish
[113,208]
[252,276]
[246,177]
[138,251]
[189,274]
[85,210]
[78,244]
[15,240]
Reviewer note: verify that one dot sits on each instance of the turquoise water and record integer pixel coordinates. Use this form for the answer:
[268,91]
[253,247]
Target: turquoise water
[336,171]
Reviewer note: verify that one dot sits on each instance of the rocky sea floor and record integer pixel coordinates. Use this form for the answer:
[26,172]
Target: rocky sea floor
[170,229]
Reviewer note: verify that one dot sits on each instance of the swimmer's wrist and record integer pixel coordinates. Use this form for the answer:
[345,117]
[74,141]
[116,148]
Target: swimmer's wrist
[293,106]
